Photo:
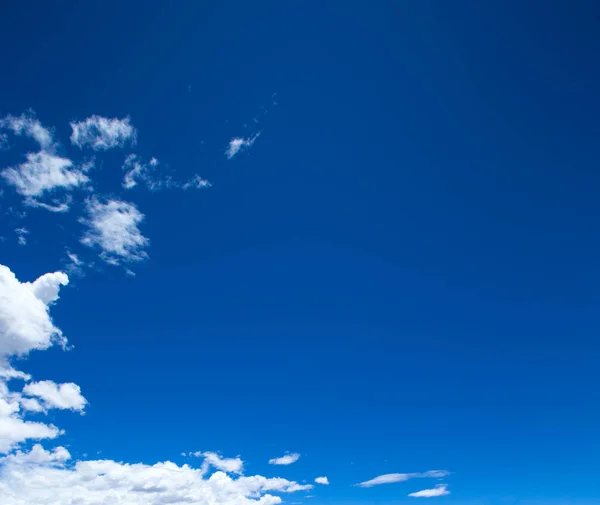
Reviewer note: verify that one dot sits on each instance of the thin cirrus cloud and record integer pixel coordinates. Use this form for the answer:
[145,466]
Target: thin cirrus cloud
[101,133]
[390,478]
[112,226]
[50,474]
[287,459]
[439,490]
[238,144]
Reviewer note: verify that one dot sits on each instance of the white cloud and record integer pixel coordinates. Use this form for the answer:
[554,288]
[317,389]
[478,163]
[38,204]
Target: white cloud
[43,172]
[44,477]
[322,480]
[439,490]
[288,459]
[390,478]
[27,124]
[230,465]
[238,144]
[113,227]
[55,206]
[22,235]
[101,133]
[32,405]
[196,182]
[25,323]
[65,396]
[140,172]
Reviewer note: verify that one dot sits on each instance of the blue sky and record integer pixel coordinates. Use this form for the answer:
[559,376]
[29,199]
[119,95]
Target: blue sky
[359,237]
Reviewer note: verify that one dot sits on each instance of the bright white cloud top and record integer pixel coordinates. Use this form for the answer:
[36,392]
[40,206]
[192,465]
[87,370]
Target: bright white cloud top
[390,478]
[324,481]
[101,133]
[287,459]
[113,228]
[439,490]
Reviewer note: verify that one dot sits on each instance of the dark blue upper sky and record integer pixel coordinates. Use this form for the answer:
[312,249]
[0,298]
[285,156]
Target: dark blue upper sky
[400,274]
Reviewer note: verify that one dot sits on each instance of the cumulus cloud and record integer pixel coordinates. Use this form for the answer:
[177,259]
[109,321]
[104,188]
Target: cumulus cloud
[101,133]
[390,478]
[44,477]
[287,459]
[439,490]
[230,465]
[322,480]
[43,172]
[57,396]
[238,144]
[28,125]
[25,323]
[113,228]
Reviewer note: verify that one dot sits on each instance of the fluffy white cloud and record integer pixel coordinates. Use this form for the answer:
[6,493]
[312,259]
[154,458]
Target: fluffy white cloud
[390,478]
[27,124]
[439,490]
[322,480]
[43,477]
[238,144]
[25,322]
[113,227]
[230,465]
[43,172]
[288,459]
[101,133]
[25,325]
[57,396]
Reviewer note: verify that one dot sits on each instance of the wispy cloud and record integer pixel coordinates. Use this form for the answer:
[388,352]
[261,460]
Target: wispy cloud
[439,490]
[55,205]
[22,235]
[101,133]
[390,478]
[113,227]
[28,125]
[138,171]
[322,480]
[287,459]
[238,144]
[196,182]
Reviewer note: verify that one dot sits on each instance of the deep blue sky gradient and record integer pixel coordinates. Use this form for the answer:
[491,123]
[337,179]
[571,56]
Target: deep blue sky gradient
[400,275]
